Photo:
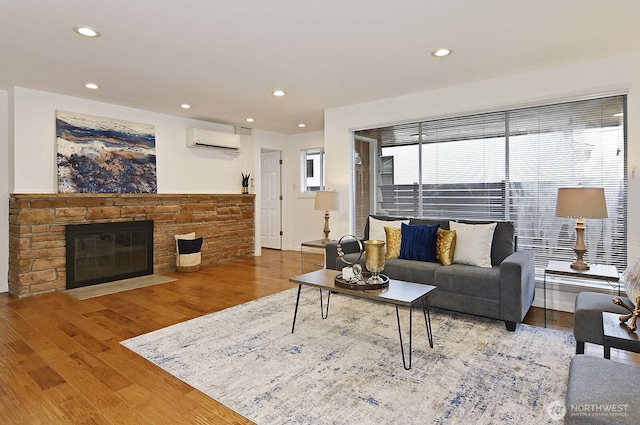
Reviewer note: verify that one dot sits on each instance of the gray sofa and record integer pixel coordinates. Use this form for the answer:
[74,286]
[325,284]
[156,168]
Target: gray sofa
[504,292]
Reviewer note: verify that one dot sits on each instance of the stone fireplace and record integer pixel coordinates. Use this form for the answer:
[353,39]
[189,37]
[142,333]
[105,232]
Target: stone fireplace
[38,222]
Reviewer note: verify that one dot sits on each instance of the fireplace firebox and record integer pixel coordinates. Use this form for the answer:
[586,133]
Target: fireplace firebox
[105,252]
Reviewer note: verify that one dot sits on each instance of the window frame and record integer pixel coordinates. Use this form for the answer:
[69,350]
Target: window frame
[317,158]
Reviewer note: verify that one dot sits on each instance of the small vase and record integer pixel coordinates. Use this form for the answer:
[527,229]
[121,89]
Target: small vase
[245,190]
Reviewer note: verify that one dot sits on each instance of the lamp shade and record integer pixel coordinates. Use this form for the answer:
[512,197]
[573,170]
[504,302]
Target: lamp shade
[581,202]
[328,200]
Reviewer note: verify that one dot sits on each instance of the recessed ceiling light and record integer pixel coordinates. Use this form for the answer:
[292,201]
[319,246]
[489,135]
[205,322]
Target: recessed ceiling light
[87,31]
[250,120]
[278,93]
[185,106]
[92,86]
[441,52]
[302,125]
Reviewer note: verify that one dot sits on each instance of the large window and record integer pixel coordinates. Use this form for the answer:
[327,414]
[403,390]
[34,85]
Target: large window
[509,165]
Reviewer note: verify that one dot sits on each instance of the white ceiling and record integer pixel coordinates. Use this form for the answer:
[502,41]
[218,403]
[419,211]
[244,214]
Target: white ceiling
[225,58]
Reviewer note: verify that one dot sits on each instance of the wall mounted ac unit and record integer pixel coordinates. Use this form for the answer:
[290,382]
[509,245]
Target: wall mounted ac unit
[198,138]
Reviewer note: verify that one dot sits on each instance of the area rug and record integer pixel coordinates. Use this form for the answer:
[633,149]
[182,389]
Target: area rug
[348,369]
[92,291]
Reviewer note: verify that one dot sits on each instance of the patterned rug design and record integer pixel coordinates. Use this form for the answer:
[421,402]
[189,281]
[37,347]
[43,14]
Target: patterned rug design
[347,369]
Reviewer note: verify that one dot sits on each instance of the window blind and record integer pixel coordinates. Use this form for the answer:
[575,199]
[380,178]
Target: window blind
[508,165]
[561,146]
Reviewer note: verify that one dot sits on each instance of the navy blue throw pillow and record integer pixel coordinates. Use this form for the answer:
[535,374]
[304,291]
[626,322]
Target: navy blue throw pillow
[189,246]
[419,242]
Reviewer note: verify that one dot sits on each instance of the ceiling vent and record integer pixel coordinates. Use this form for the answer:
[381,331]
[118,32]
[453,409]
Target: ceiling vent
[207,139]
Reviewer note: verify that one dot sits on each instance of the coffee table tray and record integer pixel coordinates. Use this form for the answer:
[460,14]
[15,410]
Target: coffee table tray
[362,285]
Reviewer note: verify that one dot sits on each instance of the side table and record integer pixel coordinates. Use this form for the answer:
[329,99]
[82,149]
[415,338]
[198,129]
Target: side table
[309,260]
[617,335]
[600,272]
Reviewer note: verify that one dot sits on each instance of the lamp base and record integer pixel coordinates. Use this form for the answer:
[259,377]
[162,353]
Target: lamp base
[580,248]
[326,230]
[579,265]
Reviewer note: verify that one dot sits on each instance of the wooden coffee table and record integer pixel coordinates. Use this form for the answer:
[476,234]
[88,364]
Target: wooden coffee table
[399,293]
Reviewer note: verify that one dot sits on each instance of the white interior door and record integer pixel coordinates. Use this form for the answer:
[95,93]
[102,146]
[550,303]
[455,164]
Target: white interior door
[271,204]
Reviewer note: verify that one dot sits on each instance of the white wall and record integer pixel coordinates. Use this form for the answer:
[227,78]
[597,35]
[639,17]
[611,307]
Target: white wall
[603,76]
[300,221]
[266,141]
[306,223]
[4,189]
[179,169]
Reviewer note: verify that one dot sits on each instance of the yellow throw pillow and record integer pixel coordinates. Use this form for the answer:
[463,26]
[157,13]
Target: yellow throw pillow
[446,246]
[394,240]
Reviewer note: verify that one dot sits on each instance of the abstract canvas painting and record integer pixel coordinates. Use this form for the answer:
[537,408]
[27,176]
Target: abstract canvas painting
[104,155]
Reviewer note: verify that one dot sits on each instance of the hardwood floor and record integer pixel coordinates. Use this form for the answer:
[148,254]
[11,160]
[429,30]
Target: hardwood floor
[61,361]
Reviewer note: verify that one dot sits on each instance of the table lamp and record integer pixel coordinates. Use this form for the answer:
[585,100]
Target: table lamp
[327,200]
[580,203]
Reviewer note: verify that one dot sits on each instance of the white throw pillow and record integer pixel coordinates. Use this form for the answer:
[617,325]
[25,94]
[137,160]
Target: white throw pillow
[473,243]
[376,228]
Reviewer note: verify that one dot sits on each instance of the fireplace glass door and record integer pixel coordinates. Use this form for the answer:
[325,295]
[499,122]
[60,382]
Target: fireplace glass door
[104,252]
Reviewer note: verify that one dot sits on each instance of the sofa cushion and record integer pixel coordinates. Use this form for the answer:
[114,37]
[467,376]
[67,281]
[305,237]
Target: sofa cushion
[486,307]
[411,270]
[481,282]
[367,225]
[394,241]
[473,243]
[503,244]
[418,243]
[376,228]
[444,224]
[445,246]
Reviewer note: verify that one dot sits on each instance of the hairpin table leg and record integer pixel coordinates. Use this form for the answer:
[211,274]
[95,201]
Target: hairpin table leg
[324,313]
[404,361]
[427,320]
[295,313]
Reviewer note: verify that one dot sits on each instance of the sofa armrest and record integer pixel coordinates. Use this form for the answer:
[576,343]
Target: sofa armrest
[517,285]
[331,252]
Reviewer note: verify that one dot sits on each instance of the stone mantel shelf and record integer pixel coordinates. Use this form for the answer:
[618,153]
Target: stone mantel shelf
[130,195]
[37,222]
